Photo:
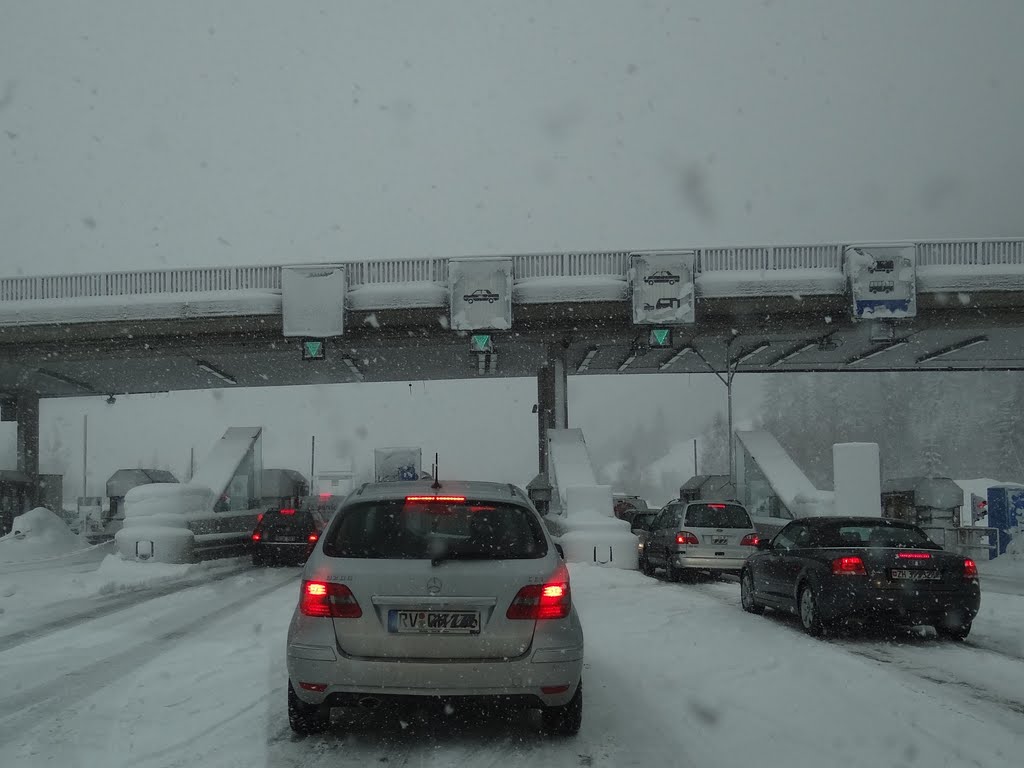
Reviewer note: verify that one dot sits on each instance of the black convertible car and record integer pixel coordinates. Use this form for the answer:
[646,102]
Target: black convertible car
[828,570]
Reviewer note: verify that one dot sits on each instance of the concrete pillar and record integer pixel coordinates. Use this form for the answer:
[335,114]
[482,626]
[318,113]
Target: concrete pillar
[552,400]
[25,410]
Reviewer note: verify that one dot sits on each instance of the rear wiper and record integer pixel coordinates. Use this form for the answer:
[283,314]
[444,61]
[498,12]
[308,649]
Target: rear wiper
[435,561]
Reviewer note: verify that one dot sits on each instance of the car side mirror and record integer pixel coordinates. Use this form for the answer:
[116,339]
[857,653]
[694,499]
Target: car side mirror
[560,551]
[763,544]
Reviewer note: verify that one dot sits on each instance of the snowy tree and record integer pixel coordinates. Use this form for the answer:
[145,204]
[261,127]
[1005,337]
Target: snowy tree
[714,446]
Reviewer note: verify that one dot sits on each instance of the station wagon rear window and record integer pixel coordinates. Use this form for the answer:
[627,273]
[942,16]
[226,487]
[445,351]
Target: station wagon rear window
[714,515]
[436,530]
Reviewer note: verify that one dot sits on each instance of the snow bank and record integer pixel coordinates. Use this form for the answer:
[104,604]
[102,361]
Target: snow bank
[39,535]
[965,278]
[116,574]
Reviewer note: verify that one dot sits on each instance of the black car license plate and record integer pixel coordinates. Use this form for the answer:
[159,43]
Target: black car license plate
[906,574]
[719,539]
[434,622]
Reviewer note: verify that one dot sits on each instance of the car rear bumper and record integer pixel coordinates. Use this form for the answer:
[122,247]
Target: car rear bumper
[710,562]
[349,679]
[915,607]
[297,551]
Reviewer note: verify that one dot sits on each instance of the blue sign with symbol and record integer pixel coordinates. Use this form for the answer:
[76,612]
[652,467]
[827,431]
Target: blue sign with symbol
[407,473]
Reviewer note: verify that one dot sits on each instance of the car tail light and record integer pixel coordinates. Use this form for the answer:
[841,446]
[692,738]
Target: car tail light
[849,566]
[913,556]
[434,499]
[313,537]
[315,687]
[259,517]
[550,600]
[716,506]
[287,511]
[685,537]
[750,540]
[322,598]
[324,496]
[970,569]
[256,536]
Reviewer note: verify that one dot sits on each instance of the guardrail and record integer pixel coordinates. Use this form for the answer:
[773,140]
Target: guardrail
[825,257]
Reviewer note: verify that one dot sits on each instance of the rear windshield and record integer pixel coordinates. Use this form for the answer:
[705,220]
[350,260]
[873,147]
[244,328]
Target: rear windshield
[415,530]
[881,535]
[717,516]
[298,518]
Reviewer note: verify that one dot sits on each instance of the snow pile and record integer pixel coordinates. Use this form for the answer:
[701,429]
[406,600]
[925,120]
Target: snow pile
[548,290]
[159,514]
[38,534]
[116,574]
[396,296]
[770,282]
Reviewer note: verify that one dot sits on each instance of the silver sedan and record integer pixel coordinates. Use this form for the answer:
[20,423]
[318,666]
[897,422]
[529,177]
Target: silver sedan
[452,594]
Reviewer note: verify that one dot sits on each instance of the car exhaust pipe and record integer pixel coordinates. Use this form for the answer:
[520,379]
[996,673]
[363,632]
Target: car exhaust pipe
[368,702]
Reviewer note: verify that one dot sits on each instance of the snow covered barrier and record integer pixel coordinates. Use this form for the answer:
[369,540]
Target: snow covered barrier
[592,533]
[156,521]
[858,480]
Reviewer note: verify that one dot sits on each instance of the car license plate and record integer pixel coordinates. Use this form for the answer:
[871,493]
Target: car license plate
[719,539]
[906,573]
[286,538]
[434,622]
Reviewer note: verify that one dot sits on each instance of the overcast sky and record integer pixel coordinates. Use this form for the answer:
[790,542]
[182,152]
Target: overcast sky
[153,134]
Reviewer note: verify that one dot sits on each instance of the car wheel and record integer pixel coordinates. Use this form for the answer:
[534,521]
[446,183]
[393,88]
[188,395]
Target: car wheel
[807,607]
[566,719]
[671,572]
[750,605]
[645,566]
[955,631]
[306,718]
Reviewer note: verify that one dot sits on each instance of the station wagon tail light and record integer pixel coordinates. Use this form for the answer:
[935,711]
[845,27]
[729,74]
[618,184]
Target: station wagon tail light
[434,499]
[550,600]
[685,537]
[328,600]
[257,536]
[848,566]
[313,537]
[970,569]
[913,556]
[750,540]
[287,511]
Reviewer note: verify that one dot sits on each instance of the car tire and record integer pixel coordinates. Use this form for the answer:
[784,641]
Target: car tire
[957,632]
[671,572]
[750,605]
[645,566]
[807,610]
[566,719]
[305,718]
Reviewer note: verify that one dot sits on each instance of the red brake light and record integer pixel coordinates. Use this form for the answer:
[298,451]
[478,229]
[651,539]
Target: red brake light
[316,687]
[320,598]
[716,506]
[913,556]
[970,569]
[750,540]
[257,536]
[434,499]
[324,496]
[849,566]
[259,517]
[685,537]
[313,537]
[551,600]
[287,511]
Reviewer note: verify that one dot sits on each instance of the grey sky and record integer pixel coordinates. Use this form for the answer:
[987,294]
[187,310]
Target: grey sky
[150,135]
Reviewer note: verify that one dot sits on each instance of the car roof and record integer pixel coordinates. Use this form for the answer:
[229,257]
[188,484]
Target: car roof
[731,502]
[855,520]
[473,489]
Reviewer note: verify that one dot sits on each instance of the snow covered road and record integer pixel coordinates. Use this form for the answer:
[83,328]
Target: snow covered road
[676,675]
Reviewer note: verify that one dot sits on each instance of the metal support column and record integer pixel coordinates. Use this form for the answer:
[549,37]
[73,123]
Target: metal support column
[24,409]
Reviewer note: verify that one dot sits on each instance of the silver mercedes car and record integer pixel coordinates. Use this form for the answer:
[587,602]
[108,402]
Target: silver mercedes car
[420,591]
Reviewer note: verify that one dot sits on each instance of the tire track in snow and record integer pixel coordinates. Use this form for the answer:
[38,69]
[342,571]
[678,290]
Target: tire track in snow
[105,606]
[28,707]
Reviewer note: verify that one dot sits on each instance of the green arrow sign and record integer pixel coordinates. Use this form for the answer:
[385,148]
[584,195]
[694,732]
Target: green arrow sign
[661,337]
[313,349]
[481,342]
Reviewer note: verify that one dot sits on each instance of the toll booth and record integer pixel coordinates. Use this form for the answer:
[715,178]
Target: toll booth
[934,504]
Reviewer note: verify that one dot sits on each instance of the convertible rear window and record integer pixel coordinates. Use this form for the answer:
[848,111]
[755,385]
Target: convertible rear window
[715,515]
[461,530]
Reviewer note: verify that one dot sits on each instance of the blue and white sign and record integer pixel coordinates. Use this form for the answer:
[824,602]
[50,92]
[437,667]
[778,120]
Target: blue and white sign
[662,284]
[883,281]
